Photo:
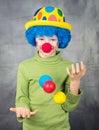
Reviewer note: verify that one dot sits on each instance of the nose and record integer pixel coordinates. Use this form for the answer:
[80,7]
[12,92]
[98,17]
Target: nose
[46,47]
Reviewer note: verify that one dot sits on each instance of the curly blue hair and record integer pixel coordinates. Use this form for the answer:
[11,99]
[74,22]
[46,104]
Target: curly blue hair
[64,35]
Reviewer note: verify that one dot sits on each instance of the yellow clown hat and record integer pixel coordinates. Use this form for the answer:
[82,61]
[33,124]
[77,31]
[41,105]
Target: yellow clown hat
[48,16]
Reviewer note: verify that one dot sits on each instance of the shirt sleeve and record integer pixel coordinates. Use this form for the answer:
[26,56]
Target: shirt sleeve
[72,100]
[22,91]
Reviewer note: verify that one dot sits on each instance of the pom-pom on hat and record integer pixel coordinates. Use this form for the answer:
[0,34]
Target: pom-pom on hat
[49,16]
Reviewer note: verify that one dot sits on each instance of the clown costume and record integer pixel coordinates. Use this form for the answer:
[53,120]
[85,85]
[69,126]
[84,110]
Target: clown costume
[47,74]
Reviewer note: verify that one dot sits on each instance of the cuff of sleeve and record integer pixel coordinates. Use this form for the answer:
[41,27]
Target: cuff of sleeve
[20,119]
[74,98]
[23,105]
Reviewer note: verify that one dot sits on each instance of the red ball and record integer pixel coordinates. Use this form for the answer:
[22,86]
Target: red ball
[49,86]
[46,47]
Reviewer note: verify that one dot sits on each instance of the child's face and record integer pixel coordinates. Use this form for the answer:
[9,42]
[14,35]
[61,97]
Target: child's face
[47,46]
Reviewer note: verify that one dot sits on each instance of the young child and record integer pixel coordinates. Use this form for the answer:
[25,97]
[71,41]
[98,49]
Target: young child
[35,107]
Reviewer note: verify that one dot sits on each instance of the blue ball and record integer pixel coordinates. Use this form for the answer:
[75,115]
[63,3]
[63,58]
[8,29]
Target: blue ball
[43,79]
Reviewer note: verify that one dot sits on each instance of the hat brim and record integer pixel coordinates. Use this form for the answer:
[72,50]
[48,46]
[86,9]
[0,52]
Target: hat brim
[64,25]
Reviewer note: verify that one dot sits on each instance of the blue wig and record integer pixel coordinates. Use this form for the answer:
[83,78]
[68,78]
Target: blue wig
[63,35]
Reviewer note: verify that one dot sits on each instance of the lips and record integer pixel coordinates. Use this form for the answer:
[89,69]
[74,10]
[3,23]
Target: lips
[46,47]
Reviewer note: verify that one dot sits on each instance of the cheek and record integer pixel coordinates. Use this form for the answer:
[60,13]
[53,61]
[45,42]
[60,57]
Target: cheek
[38,44]
[57,44]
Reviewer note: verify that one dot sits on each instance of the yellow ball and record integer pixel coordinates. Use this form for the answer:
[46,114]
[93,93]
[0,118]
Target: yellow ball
[59,97]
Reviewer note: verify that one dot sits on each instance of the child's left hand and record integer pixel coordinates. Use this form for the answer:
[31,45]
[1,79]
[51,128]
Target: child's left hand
[77,72]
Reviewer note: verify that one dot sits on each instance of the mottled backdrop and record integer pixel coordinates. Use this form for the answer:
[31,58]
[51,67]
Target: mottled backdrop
[84,16]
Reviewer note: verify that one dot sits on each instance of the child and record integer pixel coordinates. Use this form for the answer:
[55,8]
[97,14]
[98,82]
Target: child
[48,31]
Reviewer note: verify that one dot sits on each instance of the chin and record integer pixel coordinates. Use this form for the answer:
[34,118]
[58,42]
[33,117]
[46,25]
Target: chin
[52,53]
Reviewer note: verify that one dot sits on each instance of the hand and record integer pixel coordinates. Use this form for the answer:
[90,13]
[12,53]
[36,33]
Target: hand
[23,112]
[78,71]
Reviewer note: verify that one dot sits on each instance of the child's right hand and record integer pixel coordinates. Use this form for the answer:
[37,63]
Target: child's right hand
[23,112]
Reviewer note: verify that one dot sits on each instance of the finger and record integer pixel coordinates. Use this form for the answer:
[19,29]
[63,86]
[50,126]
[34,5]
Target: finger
[77,68]
[27,112]
[34,112]
[23,112]
[68,72]
[73,69]
[18,112]
[82,65]
[84,70]
[12,109]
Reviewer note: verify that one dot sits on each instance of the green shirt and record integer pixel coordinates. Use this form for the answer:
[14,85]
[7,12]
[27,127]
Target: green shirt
[50,116]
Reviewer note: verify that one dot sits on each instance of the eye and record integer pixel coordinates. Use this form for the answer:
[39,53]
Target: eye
[41,39]
[54,39]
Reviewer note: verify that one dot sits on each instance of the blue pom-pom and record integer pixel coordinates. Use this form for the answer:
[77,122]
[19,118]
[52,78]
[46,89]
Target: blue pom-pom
[43,79]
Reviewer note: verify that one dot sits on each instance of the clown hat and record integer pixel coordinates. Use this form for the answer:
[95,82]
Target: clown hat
[48,16]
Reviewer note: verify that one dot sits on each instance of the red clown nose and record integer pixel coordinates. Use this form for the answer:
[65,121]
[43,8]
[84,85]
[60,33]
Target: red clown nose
[46,47]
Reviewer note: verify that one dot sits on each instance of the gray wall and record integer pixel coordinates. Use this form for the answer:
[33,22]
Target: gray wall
[84,16]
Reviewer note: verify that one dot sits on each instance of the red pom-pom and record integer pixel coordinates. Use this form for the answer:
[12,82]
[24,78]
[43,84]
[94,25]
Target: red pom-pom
[49,86]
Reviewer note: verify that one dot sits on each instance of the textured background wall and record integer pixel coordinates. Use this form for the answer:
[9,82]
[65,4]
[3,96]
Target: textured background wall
[84,16]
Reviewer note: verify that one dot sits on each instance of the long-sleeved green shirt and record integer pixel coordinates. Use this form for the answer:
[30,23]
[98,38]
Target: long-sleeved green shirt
[50,116]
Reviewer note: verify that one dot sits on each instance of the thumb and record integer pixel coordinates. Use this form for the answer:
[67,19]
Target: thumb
[13,109]
[33,112]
